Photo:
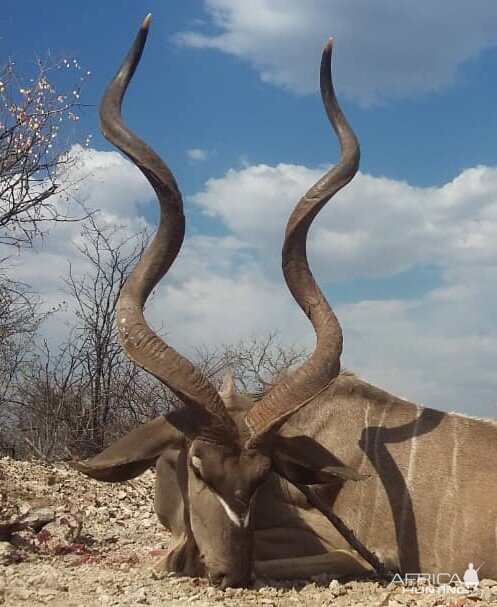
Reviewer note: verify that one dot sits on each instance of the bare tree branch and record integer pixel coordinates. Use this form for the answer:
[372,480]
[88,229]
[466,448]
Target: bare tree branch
[256,362]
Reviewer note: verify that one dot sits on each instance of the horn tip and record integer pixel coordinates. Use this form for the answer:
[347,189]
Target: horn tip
[146,22]
[329,45]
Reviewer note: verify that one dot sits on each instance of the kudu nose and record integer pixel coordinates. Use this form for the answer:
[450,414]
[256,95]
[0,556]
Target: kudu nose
[219,579]
[223,580]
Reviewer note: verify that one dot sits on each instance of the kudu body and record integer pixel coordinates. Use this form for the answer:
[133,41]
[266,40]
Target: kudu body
[228,471]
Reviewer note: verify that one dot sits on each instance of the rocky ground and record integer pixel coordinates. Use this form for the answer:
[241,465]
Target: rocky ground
[67,541]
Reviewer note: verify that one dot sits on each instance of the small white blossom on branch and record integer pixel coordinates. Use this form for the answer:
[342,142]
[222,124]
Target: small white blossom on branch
[32,116]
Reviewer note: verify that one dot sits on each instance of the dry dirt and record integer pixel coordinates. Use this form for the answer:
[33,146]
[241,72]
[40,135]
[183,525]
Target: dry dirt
[70,541]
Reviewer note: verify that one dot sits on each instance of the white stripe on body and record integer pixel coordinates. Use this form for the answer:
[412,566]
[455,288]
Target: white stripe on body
[409,474]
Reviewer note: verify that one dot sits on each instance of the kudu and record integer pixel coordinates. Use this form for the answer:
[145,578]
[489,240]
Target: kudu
[228,470]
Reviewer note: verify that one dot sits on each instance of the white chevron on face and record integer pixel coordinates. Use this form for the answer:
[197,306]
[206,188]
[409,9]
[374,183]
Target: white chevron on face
[234,518]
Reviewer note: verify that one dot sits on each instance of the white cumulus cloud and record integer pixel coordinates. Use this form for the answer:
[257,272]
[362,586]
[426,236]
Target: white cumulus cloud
[104,182]
[384,49]
[375,227]
[437,347]
[197,154]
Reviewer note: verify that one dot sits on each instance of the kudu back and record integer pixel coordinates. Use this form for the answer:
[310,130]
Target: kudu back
[229,472]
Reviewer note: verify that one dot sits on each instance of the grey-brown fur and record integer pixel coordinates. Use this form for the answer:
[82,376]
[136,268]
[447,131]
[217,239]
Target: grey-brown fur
[429,505]
[228,469]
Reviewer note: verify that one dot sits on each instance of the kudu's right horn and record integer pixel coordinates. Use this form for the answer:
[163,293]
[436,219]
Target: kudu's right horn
[138,340]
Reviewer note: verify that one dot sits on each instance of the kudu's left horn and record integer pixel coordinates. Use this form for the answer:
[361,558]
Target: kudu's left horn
[316,373]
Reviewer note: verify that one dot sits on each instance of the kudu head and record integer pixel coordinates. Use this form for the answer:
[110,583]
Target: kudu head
[227,452]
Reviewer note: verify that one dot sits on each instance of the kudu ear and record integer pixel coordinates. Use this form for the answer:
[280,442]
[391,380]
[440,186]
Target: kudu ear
[228,388]
[232,399]
[132,454]
[300,460]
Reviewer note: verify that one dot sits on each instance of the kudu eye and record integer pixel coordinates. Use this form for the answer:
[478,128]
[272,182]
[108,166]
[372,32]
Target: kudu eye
[196,463]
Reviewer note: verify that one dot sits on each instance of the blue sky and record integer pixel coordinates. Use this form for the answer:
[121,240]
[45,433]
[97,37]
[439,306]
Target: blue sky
[227,93]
